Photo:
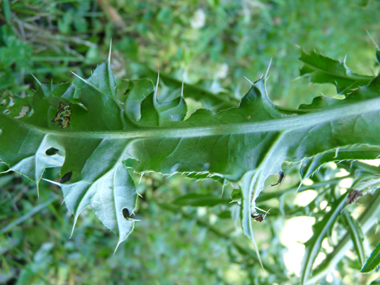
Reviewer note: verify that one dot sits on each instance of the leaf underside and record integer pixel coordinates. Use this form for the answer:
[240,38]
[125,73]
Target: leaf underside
[106,130]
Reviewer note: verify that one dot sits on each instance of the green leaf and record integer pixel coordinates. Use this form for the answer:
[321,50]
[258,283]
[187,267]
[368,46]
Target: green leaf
[373,261]
[200,200]
[310,165]
[100,130]
[135,92]
[7,10]
[210,100]
[323,69]
[225,215]
[320,229]
[366,220]
[356,236]
[236,194]
[367,178]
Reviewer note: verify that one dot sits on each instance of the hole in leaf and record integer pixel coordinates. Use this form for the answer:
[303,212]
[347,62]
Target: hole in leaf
[126,213]
[23,112]
[1,132]
[281,176]
[51,151]
[66,177]
[6,112]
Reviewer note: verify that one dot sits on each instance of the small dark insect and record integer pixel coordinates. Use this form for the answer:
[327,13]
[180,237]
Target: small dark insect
[281,176]
[353,196]
[260,217]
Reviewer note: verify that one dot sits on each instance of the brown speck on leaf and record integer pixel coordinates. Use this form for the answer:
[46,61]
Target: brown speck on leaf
[249,117]
[353,196]
[260,217]
[63,115]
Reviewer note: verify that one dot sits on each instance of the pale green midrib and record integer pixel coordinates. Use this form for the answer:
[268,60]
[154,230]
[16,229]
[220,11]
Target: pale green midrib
[284,124]
[358,78]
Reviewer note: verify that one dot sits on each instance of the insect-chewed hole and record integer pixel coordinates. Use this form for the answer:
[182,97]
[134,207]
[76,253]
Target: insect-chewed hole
[66,177]
[126,213]
[1,132]
[23,112]
[51,151]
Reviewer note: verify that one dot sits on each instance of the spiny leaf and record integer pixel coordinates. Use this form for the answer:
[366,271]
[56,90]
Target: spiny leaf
[323,69]
[367,178]
[373,261]
[312,164]
[212,101]
[109,132]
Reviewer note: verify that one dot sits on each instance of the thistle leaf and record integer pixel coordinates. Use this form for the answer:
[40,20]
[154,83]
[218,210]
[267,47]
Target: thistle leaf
[105,130]
[323,69]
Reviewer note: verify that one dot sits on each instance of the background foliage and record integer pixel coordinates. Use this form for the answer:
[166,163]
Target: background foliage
[210,44]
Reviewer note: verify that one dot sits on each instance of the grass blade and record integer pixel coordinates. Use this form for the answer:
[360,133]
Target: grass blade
[31,213]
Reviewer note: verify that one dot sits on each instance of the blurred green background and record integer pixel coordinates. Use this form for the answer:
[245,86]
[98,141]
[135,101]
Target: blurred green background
[211,44]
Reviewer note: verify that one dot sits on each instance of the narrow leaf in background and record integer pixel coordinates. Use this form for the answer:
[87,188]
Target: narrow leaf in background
[356,236]
[373,261]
